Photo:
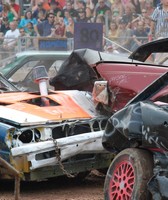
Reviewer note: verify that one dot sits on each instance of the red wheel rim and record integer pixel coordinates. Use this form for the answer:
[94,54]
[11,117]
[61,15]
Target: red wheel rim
[122,182]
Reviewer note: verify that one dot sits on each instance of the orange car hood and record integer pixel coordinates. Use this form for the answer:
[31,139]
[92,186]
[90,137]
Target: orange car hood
[65,105]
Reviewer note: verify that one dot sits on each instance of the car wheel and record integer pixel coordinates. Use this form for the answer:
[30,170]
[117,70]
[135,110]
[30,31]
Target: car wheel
[128,175]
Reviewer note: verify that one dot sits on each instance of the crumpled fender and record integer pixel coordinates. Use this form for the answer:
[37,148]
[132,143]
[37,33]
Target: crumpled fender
[144,122]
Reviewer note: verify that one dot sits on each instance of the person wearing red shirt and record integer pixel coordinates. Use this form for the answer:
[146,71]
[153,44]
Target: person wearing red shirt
[15,6]
[60,4]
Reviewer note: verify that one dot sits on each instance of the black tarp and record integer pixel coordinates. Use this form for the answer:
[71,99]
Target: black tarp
[74,73]
[77,72]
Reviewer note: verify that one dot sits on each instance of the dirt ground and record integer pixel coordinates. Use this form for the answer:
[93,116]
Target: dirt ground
[91,188]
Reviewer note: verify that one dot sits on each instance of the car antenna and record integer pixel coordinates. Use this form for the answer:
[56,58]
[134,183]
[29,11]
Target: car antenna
[100,55]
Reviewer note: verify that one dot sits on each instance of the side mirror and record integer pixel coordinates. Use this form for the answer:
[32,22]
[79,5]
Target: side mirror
[100,92]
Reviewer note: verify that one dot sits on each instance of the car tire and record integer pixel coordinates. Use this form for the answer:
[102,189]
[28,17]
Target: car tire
[128,175]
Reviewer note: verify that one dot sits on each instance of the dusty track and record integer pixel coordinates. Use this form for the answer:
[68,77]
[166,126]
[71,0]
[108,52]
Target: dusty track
[91,188]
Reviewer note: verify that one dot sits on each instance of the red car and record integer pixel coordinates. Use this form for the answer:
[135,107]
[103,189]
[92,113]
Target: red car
[138,132]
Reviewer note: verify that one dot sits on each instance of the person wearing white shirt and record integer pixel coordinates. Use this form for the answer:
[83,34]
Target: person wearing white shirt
[10,38]
[10,41]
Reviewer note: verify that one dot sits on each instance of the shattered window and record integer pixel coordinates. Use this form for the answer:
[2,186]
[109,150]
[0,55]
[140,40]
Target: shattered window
[22,72]
[55,68]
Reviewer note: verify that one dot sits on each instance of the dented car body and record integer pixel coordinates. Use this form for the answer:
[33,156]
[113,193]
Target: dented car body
[36,137]
[137,135]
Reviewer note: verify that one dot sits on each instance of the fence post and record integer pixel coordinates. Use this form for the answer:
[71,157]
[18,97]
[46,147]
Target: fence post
[12,171]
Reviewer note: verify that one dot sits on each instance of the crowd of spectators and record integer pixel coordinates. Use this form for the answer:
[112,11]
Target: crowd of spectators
[128,23]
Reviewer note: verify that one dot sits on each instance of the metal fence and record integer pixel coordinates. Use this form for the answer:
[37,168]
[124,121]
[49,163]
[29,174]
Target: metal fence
[33,43]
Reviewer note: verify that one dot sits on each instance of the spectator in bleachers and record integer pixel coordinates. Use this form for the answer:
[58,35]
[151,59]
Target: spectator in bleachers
[34,3]
[102,8]
[143,17]
[38,8]
[106,2]
[113,31]
[159,23]
[156,3]
[60,4]
[17,20]
[44,28]
[54,8]
[128,13]
[101,19]
[28,17]
[95,2]
[117,8]
[147,20]
[16,7]
[10,38]
[124,35]
[59,29]
[1,5]
[82,16]
[139,36]
[134,23]
[1,28]
[137,6]
[46,5]
[90,4]
[30,29]
[24,41]
[4,26]
[66,16]
[80,4]
[41,17]
[89,14]
[69,7]
[69,29]
[149,7]
[9,12]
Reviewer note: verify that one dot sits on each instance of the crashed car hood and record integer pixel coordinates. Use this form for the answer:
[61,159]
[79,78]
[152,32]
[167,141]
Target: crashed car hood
[24,108]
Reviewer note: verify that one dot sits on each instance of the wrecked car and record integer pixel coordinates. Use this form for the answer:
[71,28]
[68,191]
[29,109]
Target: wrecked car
[47,134]
[137,136]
